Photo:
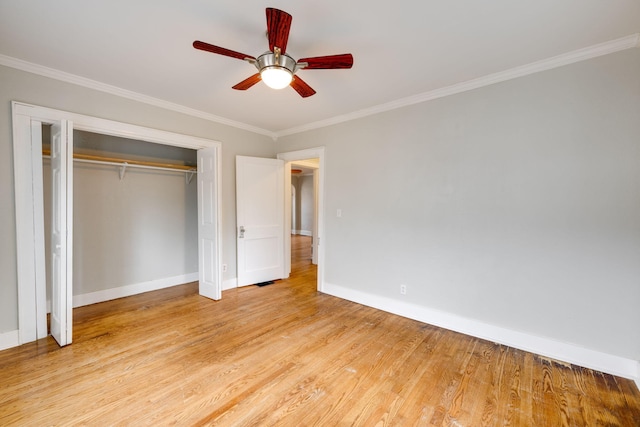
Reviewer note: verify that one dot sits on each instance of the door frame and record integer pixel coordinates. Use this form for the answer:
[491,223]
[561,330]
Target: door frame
[27,120]
[288,157]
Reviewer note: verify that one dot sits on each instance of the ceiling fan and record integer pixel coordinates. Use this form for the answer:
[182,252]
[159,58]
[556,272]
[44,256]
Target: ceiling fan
[275,67]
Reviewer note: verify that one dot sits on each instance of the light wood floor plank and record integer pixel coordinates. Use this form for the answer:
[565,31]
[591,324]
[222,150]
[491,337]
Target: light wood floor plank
[288,355]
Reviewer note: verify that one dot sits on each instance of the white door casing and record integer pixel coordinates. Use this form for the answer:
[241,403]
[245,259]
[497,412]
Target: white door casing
[62,232]
[259,219]
[314,244]
[210,274]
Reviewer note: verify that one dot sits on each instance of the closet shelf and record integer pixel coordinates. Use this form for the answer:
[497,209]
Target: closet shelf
[123,164]
[89,158]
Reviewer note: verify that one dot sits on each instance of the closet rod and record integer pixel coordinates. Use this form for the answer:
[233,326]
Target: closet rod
[89,158]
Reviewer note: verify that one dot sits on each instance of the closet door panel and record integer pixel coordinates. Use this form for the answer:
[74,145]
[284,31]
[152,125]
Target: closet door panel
[210,275]
[62,232]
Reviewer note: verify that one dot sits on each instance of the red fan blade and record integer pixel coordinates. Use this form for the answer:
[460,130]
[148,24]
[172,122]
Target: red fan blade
[344,60]
[278,26]
[301,87]
[247,83]
[220,50]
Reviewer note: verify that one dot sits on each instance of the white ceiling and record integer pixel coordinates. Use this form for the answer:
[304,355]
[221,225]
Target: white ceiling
[401,48]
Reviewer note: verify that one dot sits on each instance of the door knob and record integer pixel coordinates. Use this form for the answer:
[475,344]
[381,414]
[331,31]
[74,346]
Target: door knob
[241,234]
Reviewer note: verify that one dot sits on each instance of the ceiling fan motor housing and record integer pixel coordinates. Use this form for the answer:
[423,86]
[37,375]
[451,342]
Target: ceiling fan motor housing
[271,60]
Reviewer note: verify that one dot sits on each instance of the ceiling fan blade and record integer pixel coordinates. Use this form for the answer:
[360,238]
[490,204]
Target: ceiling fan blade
[247,83]
[344,60]
[220,50]
[278,26]
[301,87]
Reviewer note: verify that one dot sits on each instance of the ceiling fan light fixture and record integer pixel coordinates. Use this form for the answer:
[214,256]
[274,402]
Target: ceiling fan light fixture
[276,77]
[276,70]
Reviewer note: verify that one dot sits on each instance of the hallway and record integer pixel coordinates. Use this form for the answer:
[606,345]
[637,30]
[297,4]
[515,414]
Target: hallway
[301,259]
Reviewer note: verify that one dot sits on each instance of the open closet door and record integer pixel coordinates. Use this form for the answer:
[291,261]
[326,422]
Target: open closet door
[62,232]
[260,219]
[209,272]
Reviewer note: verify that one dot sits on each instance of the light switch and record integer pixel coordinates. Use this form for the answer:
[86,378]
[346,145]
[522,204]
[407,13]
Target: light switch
[339,213]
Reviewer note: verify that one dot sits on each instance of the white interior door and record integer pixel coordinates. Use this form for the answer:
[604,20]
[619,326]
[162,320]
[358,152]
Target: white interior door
[260,219]
[208,224]
[62,232]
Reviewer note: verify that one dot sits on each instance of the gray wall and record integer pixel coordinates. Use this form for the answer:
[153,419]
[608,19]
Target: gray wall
[306,204]
[517,204]
[303,204]
[21,86]
[295,204]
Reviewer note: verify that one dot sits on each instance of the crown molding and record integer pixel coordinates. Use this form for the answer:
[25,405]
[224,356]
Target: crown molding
[124,93]
[601,49]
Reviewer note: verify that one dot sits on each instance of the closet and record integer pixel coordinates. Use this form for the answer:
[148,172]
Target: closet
[134,216]
[145,258]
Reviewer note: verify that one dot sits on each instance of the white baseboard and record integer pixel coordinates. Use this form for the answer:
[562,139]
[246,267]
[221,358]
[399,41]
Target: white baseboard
[603,362]
[9,339]
[134,289]
[230,284]
[305,233]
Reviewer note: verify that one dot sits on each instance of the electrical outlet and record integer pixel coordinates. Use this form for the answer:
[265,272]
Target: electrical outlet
[224,268]
[403,289]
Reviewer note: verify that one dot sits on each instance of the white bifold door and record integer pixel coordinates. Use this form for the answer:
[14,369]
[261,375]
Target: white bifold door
[260,219]
[62,232]
[210,275]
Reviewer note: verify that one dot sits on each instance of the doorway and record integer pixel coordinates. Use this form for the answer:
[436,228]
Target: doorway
[27,143]
[304,203]
[314,159]
[135,226]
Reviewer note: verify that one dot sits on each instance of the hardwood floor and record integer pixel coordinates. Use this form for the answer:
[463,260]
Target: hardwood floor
[287,355]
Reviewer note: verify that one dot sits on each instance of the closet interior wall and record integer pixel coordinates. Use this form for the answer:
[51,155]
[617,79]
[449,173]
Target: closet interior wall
[131,231]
